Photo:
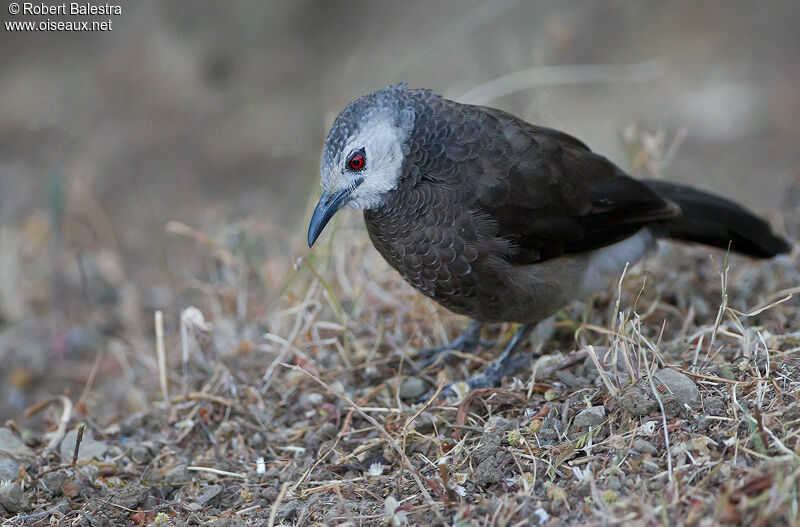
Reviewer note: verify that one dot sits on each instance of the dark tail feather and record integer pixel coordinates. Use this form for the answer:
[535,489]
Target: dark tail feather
[715,221]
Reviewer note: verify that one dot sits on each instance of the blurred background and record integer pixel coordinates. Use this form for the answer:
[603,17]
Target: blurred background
[173,161]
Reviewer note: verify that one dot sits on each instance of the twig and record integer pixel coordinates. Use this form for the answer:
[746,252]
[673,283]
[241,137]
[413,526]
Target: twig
[560,75]
[162,355]
[75,453]
[612,390]
[194,396]
[87,388]
[63,421]
[274,512]
[217,472]
[78,440]
[191,319]
[53,510]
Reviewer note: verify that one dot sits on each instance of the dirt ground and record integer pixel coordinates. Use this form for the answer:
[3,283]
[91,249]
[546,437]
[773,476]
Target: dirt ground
[169,167]
[692,417]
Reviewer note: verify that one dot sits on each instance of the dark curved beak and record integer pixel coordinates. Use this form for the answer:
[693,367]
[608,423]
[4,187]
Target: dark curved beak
[326,208]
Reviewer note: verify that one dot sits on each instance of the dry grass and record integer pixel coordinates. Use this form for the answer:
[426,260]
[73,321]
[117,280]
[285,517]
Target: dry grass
[302,421]
[280,392]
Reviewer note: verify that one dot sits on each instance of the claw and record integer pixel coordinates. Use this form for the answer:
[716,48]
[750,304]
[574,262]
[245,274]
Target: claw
[468,342]
[491,376]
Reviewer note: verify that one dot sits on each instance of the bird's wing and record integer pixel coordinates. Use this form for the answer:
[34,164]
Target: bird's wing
[549,195]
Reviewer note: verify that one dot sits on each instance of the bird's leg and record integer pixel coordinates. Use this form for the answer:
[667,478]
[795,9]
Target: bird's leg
[467,342]
[502,365]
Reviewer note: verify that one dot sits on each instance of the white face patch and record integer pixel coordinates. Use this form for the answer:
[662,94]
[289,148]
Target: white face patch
[381,142]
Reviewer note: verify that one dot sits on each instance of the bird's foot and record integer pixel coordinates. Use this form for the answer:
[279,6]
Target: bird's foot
[492,374]
[489,378]
[468,342]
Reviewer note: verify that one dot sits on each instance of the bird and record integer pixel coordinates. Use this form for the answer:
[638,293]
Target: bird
[500,220]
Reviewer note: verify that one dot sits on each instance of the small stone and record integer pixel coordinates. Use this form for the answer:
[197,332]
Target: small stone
[490,470]
[541,516]
[141,455]
[210,492]
[714,405]
[177,476]
[89,448]
[314,439]
[593,416]
[645,447]
[256,441]
[11,444]
[269,494]
[13,453]
[310,400]
[130,496]
[546,366]
[682,390]
[613,483]
[550,430]
[567,377]
[675,389]
[89,472]
[704,424]
[12,499]
[424,423]
[228,522]
[54,481]
[412,388]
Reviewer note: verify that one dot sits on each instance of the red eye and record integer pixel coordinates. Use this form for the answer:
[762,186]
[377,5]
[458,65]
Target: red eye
[357,162]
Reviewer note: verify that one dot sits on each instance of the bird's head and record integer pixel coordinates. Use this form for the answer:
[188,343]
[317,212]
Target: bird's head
[363,155]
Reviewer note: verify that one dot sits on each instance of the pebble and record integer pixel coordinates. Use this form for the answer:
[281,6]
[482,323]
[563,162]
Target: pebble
[682,390]
[228,522]
[645,447]
[550,430]
[130,496]
[54,481]
[211,492]
[12,499]
[89,447]
[177,476]
[424,423]
[593,416]
[567,377]
[13,453]
[613,483]
[139,454]
[492,469]
[412,388]
[546,366]
[310,400]
[676,391]
[715,405]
